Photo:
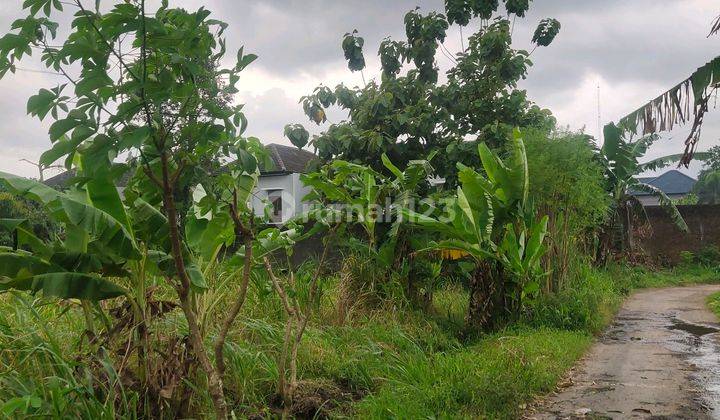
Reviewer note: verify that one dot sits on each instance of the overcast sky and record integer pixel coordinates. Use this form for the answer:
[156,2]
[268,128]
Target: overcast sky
[633,49]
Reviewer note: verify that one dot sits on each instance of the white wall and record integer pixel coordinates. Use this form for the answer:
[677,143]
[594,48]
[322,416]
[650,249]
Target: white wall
[649,200]
[293,191]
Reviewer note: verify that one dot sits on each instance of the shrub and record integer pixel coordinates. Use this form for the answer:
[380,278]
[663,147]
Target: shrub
[567,184]
[687,258]
[709,256]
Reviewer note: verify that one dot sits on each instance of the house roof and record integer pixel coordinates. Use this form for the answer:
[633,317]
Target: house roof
[60,180]
[671,182]
[290,159]
[286,159]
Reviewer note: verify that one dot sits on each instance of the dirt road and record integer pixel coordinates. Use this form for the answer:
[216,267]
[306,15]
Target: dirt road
[659,359]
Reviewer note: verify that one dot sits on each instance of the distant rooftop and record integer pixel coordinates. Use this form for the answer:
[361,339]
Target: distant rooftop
[286,159]
[671,182]
[289,158]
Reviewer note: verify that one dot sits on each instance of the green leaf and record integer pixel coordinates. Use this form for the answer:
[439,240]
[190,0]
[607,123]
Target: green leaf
[392,168]
[66,286]
[11,224]
[666,203]
[99,225]
[665,161]
[197,279]
[205,236]
[546,32]
[105,196]
[61,127]
[41,104]
[63,147]
[297,134]
[19,266]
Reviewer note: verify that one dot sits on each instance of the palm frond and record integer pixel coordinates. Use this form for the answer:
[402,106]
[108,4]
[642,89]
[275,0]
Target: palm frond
[666,203]
[685,102]
[665,161]
[641,146]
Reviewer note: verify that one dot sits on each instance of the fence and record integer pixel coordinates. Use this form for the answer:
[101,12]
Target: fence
[665,241]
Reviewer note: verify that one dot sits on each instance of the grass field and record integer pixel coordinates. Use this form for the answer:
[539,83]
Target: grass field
[377,362]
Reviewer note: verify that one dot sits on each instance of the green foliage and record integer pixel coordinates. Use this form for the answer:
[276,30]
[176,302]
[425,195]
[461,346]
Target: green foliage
[13,207]
[569,186]
[709,256]
[620,161]
[297,134]
[168,104]
[410,114]
[687,258]
[707,187]
[518,7]
[41,373]
[352,46]
[714,303]
[567,178]
[484,380]
[593,296]
[690,199]
[546,32]
[492,221]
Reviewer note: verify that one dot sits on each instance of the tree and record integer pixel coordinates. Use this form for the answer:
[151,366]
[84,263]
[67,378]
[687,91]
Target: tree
[31,215]
[707,188]
[620,160]
[144,83]
[408,115]
[568,185]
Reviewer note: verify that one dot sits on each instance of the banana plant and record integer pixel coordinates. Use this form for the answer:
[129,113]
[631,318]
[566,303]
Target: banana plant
[95,245]
[490,221]
[620,159]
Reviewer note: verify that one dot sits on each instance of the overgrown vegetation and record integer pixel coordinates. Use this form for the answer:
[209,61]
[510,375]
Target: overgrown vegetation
[175,298]
[714,303]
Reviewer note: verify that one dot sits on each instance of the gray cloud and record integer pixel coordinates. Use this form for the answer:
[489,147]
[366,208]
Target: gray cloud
[637,48]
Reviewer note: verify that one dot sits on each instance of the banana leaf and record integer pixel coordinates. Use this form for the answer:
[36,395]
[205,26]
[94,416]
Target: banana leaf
[29,273]
[99,225]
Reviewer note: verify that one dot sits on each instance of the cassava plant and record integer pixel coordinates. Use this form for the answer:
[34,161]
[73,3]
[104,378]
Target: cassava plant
[297,289]
[148,84]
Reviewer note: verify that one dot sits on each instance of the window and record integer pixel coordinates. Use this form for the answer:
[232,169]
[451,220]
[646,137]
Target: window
[275,199]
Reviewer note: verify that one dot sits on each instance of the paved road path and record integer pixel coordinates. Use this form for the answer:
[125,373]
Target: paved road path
[659,359]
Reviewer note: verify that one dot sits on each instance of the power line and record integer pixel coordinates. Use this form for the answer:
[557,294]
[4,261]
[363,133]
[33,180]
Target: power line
[599,116]
[39,71]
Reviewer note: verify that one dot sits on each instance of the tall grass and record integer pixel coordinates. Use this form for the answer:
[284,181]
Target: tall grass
[42,369]
[372,359]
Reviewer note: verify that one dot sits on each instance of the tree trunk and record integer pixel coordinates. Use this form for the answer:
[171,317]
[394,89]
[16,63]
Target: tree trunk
[215,385]
[481,305]
[235,310]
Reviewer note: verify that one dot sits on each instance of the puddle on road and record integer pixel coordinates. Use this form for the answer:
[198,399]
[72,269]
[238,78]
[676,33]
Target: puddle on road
[701,345]
[694,329]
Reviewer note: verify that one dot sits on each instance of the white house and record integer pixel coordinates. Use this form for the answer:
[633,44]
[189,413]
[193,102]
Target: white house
[281,185]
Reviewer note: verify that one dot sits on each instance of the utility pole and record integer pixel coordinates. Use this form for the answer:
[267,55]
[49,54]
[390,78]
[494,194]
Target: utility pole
[599,117]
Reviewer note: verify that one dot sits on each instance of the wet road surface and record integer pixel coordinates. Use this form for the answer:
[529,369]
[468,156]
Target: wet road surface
[660,359]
